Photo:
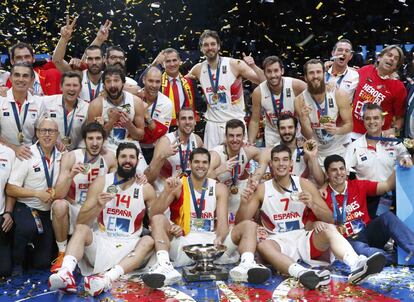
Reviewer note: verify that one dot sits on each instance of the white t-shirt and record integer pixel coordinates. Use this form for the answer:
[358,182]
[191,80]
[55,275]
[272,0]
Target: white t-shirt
[6,161]
[348,81]
[30,174]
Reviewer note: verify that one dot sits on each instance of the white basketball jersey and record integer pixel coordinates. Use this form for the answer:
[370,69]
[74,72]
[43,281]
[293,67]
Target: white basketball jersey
[299,164]
[230,102]
[89,90]
[272,136]
[327,142]
[279,213]
[227,177]
[80,183]
[123,215]
[208,213]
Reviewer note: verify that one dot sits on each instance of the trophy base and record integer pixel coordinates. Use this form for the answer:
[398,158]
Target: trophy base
[218,274]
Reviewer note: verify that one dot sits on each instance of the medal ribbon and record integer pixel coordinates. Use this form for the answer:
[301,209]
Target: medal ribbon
[119,182]
[384,139]
[294,188]
[91,93]
[324,111]
[153,107]
[299,153]
[277,110]
[49,177]
[17,116]
[214,85]
[339,81]
[68,128]
[198,207]
[183,161]
[336,210]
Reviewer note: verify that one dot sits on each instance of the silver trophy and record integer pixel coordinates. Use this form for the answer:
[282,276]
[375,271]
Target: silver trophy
[204,269]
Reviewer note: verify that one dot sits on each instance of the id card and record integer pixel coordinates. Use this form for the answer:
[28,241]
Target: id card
[202,225]
[357,226]
[38,221]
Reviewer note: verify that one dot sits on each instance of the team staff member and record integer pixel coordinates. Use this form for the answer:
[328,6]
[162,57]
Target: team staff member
[78,170]
[68,110]
[19,111]
[32,183]
[275,96]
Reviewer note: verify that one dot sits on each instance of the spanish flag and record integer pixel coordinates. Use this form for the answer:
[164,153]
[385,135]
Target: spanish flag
[180,208]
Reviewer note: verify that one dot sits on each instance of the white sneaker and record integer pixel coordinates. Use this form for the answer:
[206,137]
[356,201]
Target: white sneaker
[95,285]
[62,280]
[312,279]
[161,275]
[250,272]
[366,267]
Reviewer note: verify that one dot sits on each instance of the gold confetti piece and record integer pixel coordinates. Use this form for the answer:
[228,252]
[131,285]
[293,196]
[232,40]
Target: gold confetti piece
[267,37]
[319,5]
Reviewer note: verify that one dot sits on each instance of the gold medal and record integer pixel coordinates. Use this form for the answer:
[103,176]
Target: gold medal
[234,189]
[86,168]
[267,176]
[126,108]
[52,192]
[325,119]
[20,137]
[408,143]
[341,229]
[309,146]
[215,97]
[112,189]
[66,140]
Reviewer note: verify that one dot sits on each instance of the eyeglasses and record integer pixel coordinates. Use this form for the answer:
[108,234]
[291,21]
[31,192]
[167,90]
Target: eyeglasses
[44,131]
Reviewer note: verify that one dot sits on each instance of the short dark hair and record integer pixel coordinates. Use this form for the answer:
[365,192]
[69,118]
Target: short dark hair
[93,127]
[94,47]
[209,34]
[200,150]
[113,48]
[287,116]
[71,74]
[172,50]
[342,41]
[271,60]
[123,146]
[20,45]
[235,123]
[113,70]
[332,159]
[23,64]
[279,149]
[185,108]
[371,106]
[312,61]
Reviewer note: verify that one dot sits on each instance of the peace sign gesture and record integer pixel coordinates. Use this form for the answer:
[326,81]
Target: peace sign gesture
[66,31]
[103,31]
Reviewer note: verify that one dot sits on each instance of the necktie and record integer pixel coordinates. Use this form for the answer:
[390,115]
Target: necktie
[176,96]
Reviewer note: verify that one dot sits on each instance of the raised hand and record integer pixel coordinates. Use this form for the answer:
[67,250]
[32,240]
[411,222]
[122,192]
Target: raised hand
[103,32]
[248,59]
[67,30]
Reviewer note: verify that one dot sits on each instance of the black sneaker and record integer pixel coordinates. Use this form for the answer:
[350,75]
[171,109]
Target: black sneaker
[312,279]
[367,267]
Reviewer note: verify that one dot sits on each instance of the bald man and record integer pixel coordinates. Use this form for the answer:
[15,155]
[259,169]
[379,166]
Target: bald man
[158,114]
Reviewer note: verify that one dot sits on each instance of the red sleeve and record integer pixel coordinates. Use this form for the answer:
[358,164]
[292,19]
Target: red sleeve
[398,105]
[152,136]
[370,187]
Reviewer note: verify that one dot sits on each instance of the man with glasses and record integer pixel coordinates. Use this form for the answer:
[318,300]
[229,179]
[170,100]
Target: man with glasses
[32,183]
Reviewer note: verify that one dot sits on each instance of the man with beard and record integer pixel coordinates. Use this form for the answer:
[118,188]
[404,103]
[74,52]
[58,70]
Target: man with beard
[379,84]
[339,75]
[323,115]
[78,170]
[32,183]
[172,151]
[121,112]
[274,96]
[116,248]
[91,78]
[68,110]
[287,207]
[221,80]
[230,163]
[305,154]
[199,207]
[158,113]
[178,88]
[20,111]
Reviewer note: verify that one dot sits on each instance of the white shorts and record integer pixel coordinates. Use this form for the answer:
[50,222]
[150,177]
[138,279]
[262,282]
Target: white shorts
[105,252]
[73,215]
[296,245]
[214,134]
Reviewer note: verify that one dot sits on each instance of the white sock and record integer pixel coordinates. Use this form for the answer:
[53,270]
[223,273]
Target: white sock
[114,273]
[231,247]
[295,270]
[163,256]
[69,263]
[62,245]
[351,259]
[247,257]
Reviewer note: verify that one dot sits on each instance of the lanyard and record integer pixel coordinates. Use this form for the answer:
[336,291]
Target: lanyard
[68,128]
[277,110]
[339,81]
[214,85]
[198,207]
[294,188]
[17,116]
[324,111]
[384,139]
[120,182]
[91,93]
[336,210]
[49,177]
[183,161]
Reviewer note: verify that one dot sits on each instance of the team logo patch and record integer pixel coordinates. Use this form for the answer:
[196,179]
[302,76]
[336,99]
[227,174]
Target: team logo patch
[136,192]
[6,113]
